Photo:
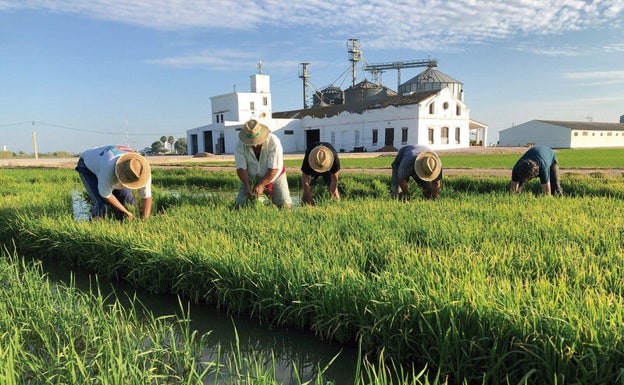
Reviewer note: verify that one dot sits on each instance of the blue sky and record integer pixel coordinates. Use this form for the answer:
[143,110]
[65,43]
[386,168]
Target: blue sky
[82,73]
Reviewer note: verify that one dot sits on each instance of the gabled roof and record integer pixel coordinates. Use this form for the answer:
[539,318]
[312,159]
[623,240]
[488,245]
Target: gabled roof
[431,75]
[329,111]
[587,126]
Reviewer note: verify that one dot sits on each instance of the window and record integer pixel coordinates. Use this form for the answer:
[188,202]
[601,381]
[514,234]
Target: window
[432,108]
[458,110]
[430,135]
[375,137]
[457,135]
[445,132]
[265,101]
[252,106]
[576,134]
[289,132]
[404,135]
[445,105]
[584,133]
[609,133]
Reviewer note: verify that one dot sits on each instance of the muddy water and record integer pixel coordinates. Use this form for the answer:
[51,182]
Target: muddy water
[291,348]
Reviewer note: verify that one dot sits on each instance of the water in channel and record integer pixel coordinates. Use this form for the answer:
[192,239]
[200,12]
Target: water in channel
[295,351]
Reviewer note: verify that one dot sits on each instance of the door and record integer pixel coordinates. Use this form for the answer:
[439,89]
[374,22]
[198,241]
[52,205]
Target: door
[312,136]
[389,141]
[208,142]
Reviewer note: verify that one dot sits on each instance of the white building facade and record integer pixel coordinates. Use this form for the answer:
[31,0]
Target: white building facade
[438,118]
[563,134]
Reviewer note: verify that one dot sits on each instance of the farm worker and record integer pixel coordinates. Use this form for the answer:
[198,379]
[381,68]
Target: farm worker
[109,174]
[420,163]
[259,160]
[320,160]
[538,161]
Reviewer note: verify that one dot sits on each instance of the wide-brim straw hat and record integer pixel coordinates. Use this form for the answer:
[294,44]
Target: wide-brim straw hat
[321,159]
[132,170]
[427,166]
[253,133]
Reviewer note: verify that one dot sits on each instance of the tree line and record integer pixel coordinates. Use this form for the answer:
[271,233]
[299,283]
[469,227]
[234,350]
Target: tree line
[168,145]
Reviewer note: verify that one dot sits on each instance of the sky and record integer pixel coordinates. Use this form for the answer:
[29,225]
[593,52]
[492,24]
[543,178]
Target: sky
[81,73]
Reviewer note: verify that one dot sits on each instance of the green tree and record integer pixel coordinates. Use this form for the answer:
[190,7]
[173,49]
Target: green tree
[170,140]
[180,146]
[163,140]
[158,148]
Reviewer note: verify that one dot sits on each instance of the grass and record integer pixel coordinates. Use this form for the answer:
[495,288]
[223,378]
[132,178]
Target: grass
[568,158]
[477,287]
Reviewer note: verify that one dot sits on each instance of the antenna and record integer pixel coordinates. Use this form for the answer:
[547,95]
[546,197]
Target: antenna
[355,55]
[259,65]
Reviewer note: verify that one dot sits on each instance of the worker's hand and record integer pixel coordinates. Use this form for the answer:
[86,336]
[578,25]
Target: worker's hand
[258,190]
[130,216]
[307,199]
[403,196]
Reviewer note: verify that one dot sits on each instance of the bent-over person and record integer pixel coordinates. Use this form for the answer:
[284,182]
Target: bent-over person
[420,163]
[320,160]
[538,161]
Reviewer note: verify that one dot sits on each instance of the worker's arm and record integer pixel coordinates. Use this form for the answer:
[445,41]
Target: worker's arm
[243,175]
[113,201]
[146,207]
[306,198]
[403,184]
[333,186]
[546,188]
[258,189]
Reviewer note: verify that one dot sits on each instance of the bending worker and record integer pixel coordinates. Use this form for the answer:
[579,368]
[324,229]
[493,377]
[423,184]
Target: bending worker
[320,160]
[109,174]
[538,161]
[420,163]
[259,160]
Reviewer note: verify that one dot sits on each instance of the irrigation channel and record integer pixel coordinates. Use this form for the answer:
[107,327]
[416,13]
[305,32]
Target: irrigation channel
[293,350]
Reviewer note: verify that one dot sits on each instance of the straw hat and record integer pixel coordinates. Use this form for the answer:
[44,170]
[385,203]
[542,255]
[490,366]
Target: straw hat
[321,159]
[132,170]
[427,166]
[253,133]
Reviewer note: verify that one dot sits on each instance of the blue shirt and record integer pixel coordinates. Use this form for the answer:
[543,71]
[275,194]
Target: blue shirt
[545,158]
[404,161]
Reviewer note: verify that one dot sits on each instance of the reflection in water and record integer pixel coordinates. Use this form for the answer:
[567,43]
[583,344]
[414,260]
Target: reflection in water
[289,347]
[81,206]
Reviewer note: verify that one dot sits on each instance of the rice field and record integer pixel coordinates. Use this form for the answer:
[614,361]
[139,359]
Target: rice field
[479,286]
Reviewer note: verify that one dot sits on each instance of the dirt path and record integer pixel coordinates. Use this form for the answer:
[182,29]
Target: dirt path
[175,161]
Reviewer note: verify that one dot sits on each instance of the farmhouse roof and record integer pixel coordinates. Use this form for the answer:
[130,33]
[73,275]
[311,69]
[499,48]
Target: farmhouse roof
[586,126]
[329,111]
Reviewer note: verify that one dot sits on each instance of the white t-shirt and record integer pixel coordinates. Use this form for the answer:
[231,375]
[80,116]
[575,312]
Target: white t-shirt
[101,161]
[271,157]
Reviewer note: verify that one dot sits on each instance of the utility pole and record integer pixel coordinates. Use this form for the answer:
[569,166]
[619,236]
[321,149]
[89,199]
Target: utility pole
[34,139]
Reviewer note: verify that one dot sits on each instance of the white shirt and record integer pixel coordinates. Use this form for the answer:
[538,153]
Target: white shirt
[101,161]
[271,157]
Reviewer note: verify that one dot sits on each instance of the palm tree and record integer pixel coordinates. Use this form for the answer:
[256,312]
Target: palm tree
[163,139]
[171,140]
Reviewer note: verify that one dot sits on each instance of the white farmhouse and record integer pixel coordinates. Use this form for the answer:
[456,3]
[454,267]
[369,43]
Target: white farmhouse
[430,110]
[563,134]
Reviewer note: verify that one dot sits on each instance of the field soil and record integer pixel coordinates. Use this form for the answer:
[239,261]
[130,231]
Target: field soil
[172,161]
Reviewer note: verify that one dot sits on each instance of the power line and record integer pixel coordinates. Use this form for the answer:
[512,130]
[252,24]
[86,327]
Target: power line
[82,129]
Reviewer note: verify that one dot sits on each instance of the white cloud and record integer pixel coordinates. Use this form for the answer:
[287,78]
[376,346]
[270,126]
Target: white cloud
[596,78]
[416,24]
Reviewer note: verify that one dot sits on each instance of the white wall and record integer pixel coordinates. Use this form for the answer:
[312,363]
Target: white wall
[537,132]
[585,138]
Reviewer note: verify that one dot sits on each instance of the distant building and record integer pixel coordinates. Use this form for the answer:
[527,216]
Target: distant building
[564,134]
[366,117]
